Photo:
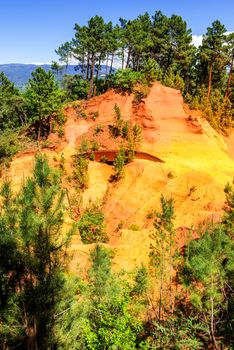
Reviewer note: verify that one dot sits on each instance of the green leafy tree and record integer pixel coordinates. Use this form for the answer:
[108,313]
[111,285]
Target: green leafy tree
[162,256]
[43,101]
[209,262]
[228,217]
[102,319]
[76,88]
[230,56]
[12,105]
[212,51]
[32,267]
[65,53]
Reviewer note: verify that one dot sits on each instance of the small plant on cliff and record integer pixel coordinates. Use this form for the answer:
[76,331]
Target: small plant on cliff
[162,255]
[116,129]
[119,163]
[91,226]
[80,174]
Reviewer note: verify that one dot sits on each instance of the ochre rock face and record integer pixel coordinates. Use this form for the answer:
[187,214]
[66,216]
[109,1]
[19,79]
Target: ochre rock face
[198,164]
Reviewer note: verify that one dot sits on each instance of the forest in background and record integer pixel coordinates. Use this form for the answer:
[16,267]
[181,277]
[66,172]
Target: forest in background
[42,306]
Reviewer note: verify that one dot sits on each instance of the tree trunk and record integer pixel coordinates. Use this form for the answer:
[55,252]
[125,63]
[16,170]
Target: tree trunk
[87,69]
[106,69]
[123,58]
[90,93]
[137,63]
[210,81]
[98,69]
[83,66]
[128,58]
[229,80]
[112,60]
[212,318]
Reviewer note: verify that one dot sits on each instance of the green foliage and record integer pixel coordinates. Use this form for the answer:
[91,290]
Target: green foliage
[80,173]
[151,72]
[208,263]
[91,226]
[102,319]
[119,163]
[97,130]
[11,142]
[173,80]
[12,105]
[104,159]
[43,99]
[134,227]
[95,145]
[84,146]
[228,217]
[116,129]
[32,252]
[177,333]
[124,80]
[76,88]
[162,253]
[218,111]
[141,284]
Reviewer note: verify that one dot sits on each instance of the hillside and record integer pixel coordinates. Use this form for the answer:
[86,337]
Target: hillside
[197,167]
[19,73]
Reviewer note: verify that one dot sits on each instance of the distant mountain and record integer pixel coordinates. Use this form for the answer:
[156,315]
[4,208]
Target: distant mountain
[19,73]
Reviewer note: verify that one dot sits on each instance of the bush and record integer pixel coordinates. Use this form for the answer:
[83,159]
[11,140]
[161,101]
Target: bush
[76,88]
[94,145]
[173,80]
[140,92]
[97,130]
[91,226]
[80,174]
[124,80]
[119,163]
[151,72]
[11,142]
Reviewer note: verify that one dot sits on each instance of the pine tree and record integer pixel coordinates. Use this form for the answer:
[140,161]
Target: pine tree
[212,51]
[34,262]
[162,256]
[43,101]
[12,105]
[101,319]
[209,261]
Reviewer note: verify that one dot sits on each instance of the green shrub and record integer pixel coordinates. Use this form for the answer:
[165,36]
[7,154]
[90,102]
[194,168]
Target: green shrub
[91,226]
[97,130]
[173,80]
[104,159]
[75,87]
[134,227]
[84,115]
[92,157]
[119,163]
[80,174]
[11,142]
[151,72]
[124,80]
[94,145]
[94,115]
[84,146]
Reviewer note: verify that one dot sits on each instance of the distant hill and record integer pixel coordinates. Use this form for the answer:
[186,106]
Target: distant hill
[19,73]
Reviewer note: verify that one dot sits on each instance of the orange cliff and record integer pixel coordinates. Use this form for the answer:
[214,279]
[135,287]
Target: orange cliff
[197,166]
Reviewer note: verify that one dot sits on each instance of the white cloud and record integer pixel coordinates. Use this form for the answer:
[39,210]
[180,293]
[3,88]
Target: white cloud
[197,40]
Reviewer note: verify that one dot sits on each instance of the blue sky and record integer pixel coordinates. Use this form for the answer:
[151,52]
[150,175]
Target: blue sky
[31,30]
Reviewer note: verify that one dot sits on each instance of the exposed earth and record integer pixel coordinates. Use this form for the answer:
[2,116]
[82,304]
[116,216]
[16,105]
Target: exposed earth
[198,164]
